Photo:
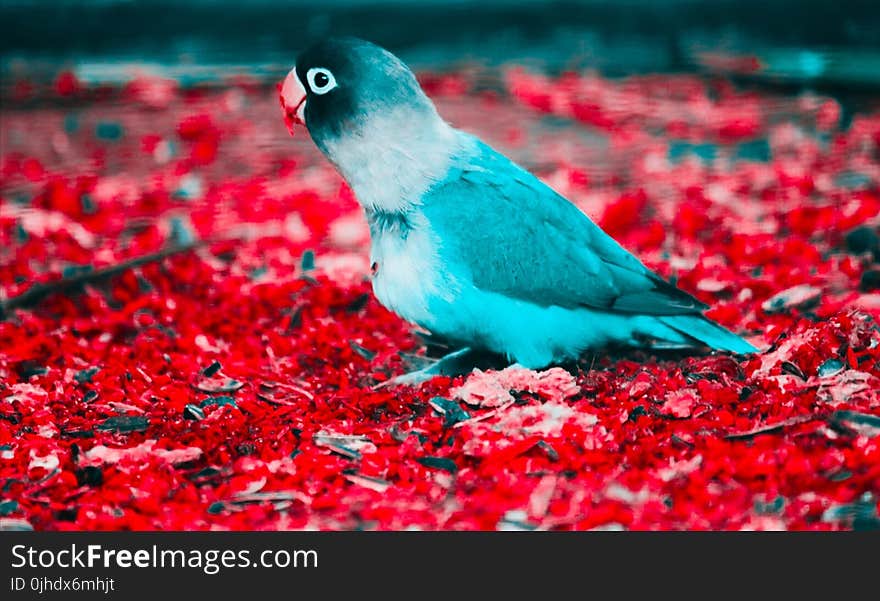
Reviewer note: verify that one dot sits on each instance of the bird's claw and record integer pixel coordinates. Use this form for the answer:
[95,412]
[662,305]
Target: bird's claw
[413,378]
[454,364]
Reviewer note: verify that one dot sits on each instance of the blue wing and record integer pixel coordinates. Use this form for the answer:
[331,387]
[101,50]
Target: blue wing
[517,237]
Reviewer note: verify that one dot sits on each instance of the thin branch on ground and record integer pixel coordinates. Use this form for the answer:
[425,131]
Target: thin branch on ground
[38,292]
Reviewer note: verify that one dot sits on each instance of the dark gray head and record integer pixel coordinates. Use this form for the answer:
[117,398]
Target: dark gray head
[367,113]
[345,81]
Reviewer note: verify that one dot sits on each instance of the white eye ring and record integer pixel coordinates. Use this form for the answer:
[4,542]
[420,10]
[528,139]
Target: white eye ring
[327,83]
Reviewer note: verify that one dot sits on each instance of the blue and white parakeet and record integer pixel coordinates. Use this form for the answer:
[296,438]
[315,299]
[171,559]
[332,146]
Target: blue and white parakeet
[467,244]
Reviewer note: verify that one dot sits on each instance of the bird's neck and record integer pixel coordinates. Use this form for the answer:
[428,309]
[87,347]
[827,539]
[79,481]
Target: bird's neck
[390,161]
[397,223]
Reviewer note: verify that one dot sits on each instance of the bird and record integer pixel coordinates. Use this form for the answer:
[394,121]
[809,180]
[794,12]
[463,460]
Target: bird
[467,244]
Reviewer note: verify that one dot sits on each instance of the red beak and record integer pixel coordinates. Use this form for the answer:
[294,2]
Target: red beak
[293,100]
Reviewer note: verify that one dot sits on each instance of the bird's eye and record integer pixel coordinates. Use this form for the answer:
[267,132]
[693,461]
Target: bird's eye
[320,80]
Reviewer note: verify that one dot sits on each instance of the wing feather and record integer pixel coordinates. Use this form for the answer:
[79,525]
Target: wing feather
[517,237]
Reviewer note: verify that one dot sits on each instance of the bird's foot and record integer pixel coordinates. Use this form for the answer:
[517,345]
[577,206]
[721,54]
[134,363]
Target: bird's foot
[457,363]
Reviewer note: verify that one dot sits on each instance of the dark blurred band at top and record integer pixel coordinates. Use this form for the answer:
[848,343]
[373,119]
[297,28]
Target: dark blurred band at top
[795,41]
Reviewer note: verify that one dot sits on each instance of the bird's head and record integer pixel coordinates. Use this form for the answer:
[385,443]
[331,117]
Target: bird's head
[367,113]
[341,82]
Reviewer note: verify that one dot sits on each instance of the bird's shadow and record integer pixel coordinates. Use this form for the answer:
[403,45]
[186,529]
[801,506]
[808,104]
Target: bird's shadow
[438,347]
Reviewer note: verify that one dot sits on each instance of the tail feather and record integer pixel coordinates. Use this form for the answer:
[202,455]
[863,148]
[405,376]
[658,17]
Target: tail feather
[708,332]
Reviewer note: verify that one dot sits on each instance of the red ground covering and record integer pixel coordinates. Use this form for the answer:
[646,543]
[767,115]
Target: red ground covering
[231,387]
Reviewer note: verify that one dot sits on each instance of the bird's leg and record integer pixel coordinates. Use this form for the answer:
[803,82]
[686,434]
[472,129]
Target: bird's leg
[457,363]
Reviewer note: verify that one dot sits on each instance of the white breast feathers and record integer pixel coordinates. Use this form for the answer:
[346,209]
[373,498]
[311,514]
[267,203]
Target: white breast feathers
[407,275]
